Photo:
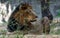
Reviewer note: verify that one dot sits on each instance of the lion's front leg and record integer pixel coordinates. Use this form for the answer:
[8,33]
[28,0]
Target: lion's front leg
[46,25]
[30,26]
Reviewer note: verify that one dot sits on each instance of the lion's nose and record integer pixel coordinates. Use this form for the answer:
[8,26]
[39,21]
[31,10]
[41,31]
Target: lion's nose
[36,16]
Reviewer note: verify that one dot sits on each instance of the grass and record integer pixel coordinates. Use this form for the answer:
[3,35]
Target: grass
[11,36]
[56,32]
[20,34]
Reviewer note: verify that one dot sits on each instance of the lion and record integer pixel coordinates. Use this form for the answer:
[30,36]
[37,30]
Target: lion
[21,17]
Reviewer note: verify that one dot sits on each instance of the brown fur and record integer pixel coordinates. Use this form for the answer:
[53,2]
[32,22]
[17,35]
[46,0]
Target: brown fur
[25,15]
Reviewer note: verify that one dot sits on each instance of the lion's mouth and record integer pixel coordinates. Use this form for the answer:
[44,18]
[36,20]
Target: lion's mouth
[32,20]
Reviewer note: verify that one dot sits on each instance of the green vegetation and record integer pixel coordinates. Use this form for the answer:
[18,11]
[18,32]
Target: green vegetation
[58,14]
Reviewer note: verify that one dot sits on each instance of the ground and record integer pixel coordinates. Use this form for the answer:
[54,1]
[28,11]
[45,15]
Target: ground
[54,27]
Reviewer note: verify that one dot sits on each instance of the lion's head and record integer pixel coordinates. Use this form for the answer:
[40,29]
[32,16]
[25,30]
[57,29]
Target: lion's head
[25,14]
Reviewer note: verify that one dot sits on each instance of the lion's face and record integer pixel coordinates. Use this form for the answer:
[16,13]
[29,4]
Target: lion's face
[25,13]
[30,16]
[28,13]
